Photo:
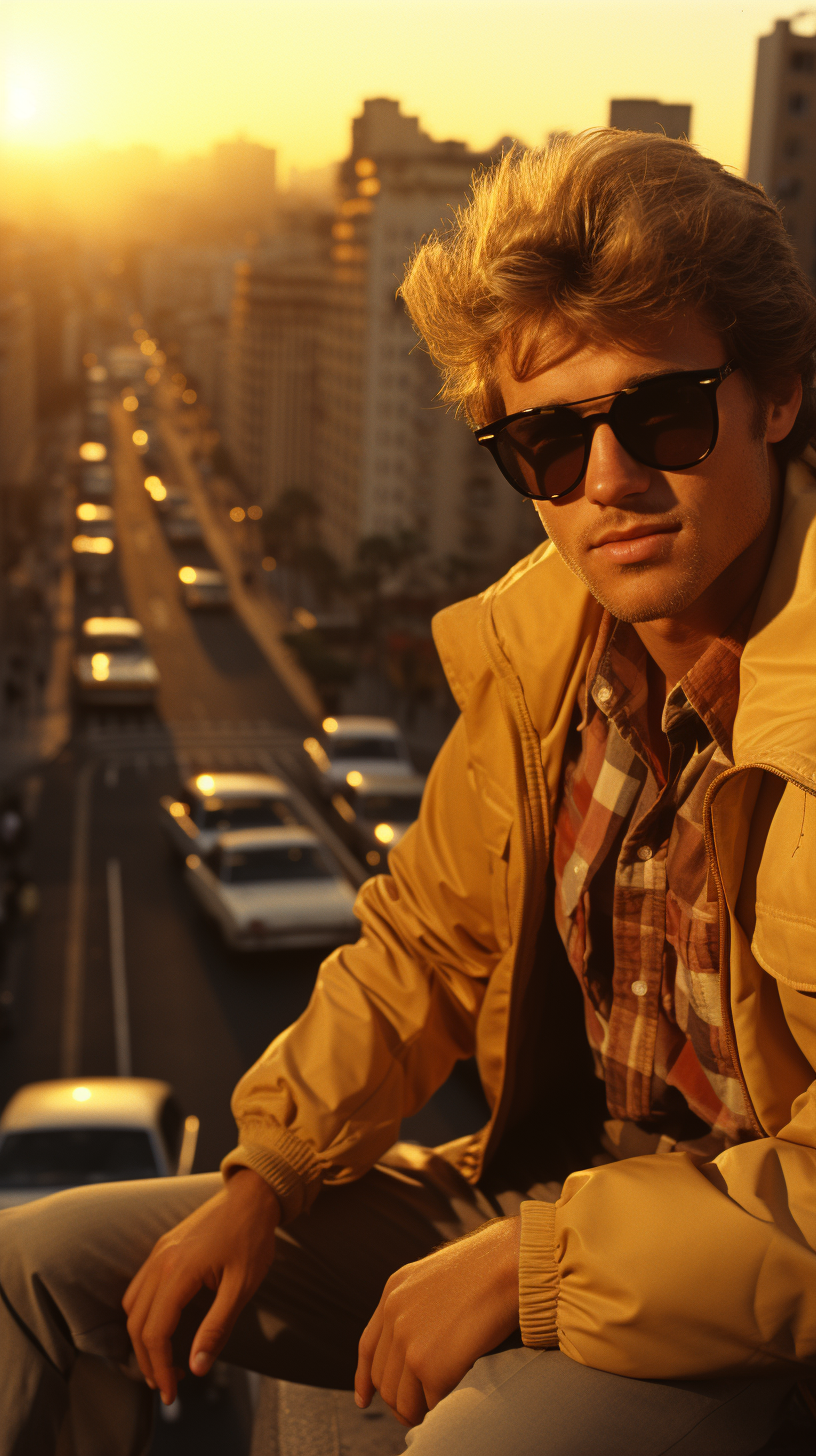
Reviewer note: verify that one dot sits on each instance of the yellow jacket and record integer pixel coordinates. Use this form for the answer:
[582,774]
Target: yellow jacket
[660,1266]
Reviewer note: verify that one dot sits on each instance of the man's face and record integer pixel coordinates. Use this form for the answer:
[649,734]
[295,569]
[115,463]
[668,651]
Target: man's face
[699,520]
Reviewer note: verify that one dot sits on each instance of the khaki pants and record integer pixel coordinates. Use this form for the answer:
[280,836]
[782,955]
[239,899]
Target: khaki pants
[69,1383]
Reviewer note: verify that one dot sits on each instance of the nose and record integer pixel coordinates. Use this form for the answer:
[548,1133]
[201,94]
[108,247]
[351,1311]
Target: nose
[611,473]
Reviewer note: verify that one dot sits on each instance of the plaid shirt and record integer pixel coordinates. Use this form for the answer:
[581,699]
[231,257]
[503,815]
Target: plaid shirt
[633,903]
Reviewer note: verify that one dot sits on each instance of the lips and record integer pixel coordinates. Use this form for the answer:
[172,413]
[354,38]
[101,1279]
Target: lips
[635,532]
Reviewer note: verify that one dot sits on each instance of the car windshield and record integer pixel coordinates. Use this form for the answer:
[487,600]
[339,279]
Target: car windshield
[61,1157]
[264,866]
[259,813]
[401,808]
[361,747]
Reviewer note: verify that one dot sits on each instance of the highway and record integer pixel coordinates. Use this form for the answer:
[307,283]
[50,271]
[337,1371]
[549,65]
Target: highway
[197,1014]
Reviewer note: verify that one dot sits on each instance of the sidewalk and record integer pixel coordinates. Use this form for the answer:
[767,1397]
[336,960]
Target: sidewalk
[301,1420]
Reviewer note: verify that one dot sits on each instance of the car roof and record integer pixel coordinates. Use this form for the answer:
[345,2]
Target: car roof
[277,837]
[374,727]
[206,576]
[238,786]
[112,627]
[113,1101]
[378,783]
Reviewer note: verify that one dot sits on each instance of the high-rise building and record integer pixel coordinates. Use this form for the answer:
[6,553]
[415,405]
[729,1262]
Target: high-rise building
[636,114]
[271,416]
[17,390]
[391,457]
[782,157]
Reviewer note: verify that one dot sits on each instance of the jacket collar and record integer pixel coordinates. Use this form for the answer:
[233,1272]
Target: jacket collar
[535,630]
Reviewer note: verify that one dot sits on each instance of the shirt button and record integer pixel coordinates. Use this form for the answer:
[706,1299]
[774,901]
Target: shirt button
[603,693]
[644,852]
[639,988]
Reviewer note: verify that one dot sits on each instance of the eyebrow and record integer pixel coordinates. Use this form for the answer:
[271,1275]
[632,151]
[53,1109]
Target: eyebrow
[630,383]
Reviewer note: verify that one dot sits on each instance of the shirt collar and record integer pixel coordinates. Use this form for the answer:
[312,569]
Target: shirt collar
[616,681]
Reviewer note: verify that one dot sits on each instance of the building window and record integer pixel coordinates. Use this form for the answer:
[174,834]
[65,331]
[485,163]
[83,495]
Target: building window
[798,103]
[787,188]
[804,61]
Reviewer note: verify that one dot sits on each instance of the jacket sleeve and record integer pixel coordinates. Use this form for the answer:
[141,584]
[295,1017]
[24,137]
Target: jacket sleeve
[389,1015]
[661,1268]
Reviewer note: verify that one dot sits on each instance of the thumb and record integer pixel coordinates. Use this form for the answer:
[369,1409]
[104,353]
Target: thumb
[216,1326]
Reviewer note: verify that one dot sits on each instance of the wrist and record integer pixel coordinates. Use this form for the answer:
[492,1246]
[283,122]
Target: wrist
[248,1186]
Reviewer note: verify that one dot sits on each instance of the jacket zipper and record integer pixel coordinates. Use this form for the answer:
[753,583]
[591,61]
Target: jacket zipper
[725,938]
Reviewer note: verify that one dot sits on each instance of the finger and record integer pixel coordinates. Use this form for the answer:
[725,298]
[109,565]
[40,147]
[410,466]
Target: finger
[411,1406]
[139,1311]
[366,1350]
[131,1294]
[216,1326]
[159,1325]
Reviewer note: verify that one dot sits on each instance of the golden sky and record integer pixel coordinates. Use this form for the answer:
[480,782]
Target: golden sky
[181,74]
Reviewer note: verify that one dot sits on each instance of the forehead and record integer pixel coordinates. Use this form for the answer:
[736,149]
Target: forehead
[565,368]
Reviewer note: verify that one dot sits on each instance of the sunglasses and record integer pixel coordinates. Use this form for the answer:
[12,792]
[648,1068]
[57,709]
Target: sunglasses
[669,423]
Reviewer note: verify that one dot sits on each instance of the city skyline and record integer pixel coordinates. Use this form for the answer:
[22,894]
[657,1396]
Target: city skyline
[183,74]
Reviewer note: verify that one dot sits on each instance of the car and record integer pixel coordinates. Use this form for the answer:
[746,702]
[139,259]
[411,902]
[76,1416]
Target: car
[203,586]
[213,803]
[350,747]
[93,542]
[270,889]
[182,526]
[112,666]
[97,481]
[380,808]
[60,1134]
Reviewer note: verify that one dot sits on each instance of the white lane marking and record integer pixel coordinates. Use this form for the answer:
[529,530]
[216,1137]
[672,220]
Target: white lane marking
[74,987]
[116,932]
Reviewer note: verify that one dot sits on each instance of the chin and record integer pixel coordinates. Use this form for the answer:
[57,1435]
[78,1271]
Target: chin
[642,600]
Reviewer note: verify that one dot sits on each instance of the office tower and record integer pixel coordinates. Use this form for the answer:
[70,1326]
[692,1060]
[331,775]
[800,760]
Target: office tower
[782,157]
[271,411]
[391,457]
[636,114]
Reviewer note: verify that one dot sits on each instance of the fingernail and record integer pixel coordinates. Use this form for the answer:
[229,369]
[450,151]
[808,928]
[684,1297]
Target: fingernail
[201,1362]
[358,1399]
[150,1383]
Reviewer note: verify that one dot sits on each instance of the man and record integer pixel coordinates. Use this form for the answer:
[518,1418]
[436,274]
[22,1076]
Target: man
[624,814]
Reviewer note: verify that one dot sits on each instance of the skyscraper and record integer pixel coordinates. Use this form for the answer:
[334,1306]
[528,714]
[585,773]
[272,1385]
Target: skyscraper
[391,457]
[782,158]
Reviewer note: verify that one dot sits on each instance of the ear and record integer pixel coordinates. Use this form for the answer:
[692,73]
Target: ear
[783,411]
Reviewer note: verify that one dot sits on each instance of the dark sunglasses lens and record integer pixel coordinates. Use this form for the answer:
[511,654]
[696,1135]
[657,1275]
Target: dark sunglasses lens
[544,454]
[669,426]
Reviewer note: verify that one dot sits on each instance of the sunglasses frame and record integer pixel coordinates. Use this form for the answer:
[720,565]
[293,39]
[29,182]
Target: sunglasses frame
[709,380]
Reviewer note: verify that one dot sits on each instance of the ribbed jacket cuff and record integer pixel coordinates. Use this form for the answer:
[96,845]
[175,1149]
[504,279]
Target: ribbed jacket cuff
[285,1163]
[538,1275]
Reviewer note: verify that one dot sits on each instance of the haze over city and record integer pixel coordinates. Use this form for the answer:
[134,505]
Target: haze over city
[179,75]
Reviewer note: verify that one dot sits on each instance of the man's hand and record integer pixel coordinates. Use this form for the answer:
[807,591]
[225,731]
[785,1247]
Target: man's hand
[227,1245]
[436,1317]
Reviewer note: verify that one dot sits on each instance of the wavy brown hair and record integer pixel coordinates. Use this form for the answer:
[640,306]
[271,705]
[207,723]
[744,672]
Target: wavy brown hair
[609,234]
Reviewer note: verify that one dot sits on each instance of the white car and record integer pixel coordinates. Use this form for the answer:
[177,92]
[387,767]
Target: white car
[203,586]
[56,1135]
[351,747]
[380,808]
[271,889]
[214,803]
[112,666]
